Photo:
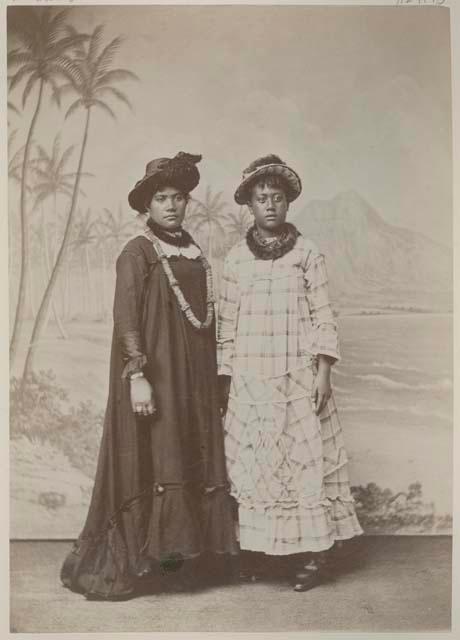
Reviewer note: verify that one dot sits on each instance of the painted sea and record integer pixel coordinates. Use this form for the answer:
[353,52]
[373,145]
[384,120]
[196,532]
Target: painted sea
[393,388]
[394,391]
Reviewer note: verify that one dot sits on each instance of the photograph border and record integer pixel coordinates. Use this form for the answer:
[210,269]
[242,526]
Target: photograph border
[4,379]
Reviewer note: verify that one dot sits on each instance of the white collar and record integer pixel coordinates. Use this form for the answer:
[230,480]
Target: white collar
[191,252]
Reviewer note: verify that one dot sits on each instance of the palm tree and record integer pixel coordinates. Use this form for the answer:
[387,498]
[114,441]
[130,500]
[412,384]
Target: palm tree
[37,233]
[117,227]
[84,237]
[53,180]
[101,246]
[237,224]
[207,217]
[52,177]
[91,78]
[14,159]
[12,107]
[112,229]
[15,163]
[39,59]
[14,174]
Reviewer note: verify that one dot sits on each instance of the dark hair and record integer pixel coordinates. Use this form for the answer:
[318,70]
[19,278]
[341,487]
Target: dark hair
[157,185]
[275,182]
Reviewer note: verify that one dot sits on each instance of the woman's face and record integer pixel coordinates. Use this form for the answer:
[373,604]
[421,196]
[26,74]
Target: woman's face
[167,208]
[269,206]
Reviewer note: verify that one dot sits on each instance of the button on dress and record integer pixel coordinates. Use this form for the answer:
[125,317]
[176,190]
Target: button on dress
[161,488]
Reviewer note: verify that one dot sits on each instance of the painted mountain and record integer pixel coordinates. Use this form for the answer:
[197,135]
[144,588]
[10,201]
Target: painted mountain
[374,264]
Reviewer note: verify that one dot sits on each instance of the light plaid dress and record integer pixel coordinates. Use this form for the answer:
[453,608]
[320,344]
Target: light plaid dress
[287,466]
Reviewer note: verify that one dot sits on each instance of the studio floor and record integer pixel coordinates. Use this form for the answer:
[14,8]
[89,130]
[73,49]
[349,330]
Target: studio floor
[399,584]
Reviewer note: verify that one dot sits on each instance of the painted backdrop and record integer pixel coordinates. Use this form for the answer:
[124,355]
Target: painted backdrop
[357,99]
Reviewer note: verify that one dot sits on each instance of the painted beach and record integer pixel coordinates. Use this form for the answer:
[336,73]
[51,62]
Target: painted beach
[393,389]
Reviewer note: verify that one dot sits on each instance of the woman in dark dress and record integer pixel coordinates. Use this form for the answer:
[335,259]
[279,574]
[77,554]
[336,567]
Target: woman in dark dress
[161,496]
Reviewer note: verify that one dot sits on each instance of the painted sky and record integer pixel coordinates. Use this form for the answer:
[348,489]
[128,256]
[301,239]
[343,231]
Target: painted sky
[353,97]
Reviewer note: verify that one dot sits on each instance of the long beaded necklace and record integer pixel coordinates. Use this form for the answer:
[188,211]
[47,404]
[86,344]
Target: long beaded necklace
[183,304]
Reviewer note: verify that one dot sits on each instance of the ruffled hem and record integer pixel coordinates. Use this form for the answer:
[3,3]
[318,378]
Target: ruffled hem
[280,530]
[110,562]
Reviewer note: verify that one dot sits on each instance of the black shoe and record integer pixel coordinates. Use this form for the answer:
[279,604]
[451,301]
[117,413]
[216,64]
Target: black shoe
[308,577]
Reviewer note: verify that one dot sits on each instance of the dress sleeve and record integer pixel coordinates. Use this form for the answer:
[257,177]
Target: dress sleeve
[227,319]
[127,311]
[325,338]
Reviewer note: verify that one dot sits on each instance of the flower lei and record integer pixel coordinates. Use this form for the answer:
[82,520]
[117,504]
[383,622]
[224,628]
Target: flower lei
[183,304]
[274,249]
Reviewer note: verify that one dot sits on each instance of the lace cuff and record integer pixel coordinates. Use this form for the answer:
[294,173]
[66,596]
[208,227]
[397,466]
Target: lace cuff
[135,359]
[134,365]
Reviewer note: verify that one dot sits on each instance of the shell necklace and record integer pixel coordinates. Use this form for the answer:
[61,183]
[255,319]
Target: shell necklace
[183,304]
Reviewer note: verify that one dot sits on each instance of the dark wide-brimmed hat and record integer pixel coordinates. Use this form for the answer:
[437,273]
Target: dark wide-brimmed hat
[270,165]
[180,172]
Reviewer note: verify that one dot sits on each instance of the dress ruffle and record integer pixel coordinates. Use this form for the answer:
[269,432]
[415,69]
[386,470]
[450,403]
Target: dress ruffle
[287,529]
[161,485]
[287,466]
[180,525]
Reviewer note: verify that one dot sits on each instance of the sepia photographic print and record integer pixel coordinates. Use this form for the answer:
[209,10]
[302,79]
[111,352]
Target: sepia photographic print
[231,317]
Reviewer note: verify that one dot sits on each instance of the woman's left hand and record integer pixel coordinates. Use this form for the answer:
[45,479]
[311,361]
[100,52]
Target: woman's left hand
[321,390]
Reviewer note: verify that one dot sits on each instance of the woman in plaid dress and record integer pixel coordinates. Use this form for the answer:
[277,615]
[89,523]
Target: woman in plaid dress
[277,341]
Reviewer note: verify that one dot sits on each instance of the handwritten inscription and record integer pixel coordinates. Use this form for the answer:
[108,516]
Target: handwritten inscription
[421,3]
[53,2]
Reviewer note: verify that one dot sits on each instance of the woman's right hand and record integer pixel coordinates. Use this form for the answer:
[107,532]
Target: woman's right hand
[142,401]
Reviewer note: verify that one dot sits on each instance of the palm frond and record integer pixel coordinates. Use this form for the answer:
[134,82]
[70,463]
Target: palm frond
[20,74]
[65,183]
[95,42]
[65,157]
[200,224]
[12,107]
[11,137]
[55,94]
[66,89]
[55,149]
[115,75]
[43,155]
[102,105]
[56,24]
[73,107]
[12,52]
[70,70]
[117,93]
[19,57]
[34,78]
[23,21]
[70,30]
[41,197]
[218,225]
[42,178]
[107,55]
[65,190]
[17,158]
[67,43]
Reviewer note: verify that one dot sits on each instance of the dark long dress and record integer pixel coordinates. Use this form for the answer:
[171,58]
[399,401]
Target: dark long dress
[161,485]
